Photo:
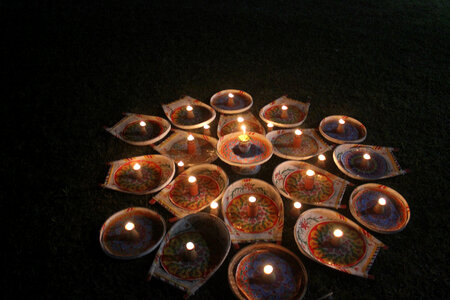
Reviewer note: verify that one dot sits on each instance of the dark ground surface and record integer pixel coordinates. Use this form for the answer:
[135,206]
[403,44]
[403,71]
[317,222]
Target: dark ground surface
[73,68]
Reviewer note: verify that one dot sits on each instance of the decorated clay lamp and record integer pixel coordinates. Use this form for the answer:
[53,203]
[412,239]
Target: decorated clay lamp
[214,208]
[309,179]
[336,240]
[284,112]
[366,160]
[295,211]
[193,186]
[244,151]
[137,168]
[269,127]
[190,112]
[191,144]
[297,138]
[131,232]
[143,129]
[206,130]
[340,127]
[380,207]
[244,141]
[190,253]
[230,101]
[252,207]
[180,166]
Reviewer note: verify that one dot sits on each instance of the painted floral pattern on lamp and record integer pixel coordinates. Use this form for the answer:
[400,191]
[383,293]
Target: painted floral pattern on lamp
[235,126]
[285,144]
[349,133]
[180,115]
[266,217]
[322,189]
[285,284]
[137,133]
[126,177]
[367,162]
[140,130]
[353,160]
[174,261]
[240,101]
[294,114]
[203,151]
[392,219]
[208,190]
[259,150]
[116,240]
[348,253]
[341,129]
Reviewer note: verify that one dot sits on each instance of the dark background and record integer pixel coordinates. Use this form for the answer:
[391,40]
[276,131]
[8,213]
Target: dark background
[69,68]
